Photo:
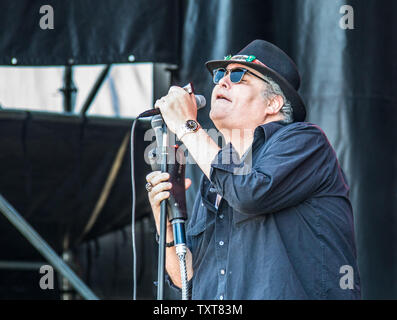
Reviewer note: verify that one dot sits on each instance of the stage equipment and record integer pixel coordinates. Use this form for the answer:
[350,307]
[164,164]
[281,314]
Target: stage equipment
[169,159]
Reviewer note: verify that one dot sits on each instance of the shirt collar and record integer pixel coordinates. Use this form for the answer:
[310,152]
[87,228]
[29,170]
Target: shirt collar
[266,131]
[263,131]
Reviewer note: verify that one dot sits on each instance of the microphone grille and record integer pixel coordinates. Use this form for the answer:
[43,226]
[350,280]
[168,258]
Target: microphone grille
[200,100]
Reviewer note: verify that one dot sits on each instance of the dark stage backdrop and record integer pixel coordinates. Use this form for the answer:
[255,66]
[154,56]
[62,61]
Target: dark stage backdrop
[349,82]
[61,171]
[88,31]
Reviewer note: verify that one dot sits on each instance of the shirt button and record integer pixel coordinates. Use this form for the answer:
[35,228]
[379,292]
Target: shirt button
[221,243]
[221,216]
[221,297]
[202,204]
[222,271]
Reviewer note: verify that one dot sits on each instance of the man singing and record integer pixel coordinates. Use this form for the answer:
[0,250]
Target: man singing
[272,218]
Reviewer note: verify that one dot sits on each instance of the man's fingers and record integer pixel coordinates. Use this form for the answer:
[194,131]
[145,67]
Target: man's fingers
[156,177]
[161,196]
[164,176]
[161,187]
[159,181]
[160,102]
[176,90]
[150,176]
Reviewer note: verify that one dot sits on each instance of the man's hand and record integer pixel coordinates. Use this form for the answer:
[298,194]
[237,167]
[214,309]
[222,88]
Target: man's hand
[177,107]
[159,192]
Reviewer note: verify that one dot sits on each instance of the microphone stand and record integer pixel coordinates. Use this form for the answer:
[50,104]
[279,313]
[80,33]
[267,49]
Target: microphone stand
[174,208]
[177,213]
[163,220]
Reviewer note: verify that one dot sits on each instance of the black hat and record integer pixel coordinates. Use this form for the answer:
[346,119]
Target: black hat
[271,61]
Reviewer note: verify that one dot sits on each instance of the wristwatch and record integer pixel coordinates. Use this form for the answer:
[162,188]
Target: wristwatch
[190,126]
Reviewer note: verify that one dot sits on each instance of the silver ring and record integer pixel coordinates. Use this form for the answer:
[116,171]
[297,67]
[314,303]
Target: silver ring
[148,187]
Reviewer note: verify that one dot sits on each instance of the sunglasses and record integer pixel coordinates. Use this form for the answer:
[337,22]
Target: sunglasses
[236,74]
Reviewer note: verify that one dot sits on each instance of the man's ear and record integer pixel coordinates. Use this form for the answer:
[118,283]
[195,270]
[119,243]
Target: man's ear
[275,104]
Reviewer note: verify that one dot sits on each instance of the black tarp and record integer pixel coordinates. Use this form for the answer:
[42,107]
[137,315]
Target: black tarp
[349,82]
[53,171]
[89,32]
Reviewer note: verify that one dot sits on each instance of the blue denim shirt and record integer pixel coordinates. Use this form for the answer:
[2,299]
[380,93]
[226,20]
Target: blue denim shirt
[283,230]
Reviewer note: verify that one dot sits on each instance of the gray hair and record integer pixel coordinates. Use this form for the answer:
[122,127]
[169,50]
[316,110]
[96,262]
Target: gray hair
[273,89]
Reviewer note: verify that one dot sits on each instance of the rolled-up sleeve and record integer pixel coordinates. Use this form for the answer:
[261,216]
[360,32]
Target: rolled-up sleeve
[282,174]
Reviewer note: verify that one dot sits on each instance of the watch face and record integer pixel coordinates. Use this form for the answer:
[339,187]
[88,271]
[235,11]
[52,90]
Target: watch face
[192,125]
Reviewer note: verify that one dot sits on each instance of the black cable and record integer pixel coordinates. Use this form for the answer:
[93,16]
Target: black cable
[132,136]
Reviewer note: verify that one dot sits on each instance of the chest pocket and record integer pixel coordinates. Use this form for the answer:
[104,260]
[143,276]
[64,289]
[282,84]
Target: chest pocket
[197,223]
[198,230]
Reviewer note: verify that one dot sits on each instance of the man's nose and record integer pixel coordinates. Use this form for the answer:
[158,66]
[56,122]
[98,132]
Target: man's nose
[225,81]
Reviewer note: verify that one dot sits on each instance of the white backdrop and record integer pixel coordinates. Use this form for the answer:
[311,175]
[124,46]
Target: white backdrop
[126,91]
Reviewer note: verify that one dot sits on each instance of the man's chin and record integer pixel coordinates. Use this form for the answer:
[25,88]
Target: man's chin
[216,115]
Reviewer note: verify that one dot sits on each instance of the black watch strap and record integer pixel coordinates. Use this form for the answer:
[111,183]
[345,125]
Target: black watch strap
[168,244]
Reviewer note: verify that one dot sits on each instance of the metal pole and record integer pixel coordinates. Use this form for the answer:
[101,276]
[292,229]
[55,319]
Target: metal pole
[69,89]
[21,265]
[163,223]
[95,89]
[65,285]
[41,245]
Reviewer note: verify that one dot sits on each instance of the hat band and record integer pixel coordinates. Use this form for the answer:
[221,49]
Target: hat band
[245,58]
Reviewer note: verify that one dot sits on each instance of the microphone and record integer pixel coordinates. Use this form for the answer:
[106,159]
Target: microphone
[200,101]
[175,167]
[157,125]
[154,155]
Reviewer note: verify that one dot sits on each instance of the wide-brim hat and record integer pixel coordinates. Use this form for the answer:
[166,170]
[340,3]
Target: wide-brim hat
[272,62]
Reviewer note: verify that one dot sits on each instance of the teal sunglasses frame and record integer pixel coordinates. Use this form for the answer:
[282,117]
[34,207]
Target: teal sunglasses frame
[236,74]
